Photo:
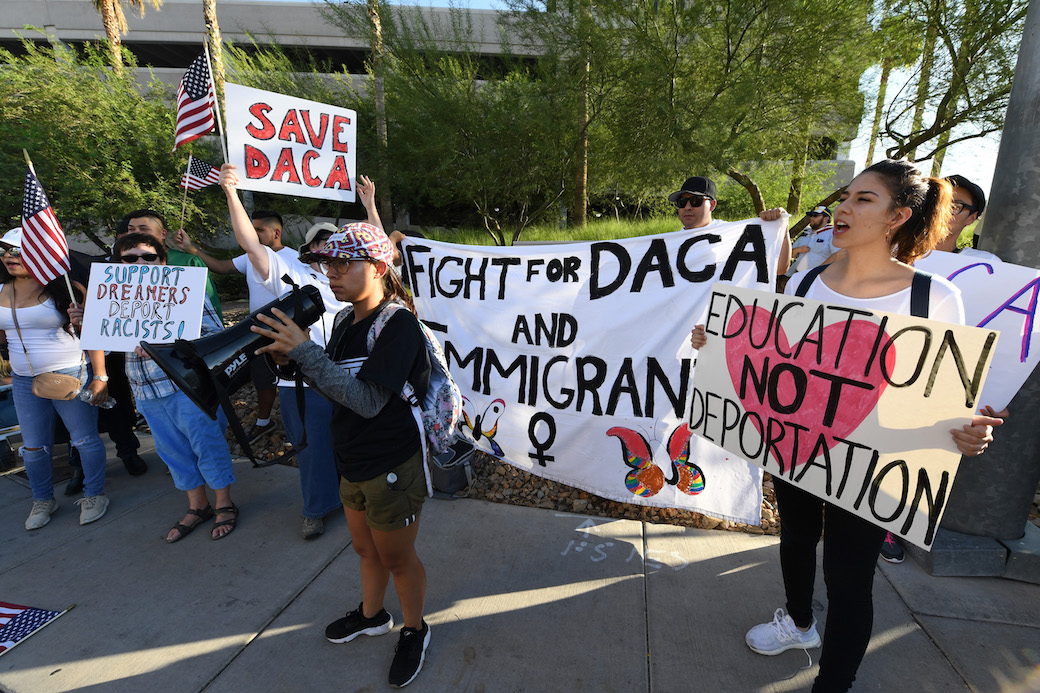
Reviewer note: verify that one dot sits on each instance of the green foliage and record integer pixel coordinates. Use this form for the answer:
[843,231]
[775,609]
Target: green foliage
[99,143]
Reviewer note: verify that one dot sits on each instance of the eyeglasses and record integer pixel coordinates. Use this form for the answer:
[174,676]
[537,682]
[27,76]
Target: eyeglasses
[13,251]
[147,257]
[957,207]
[695,200]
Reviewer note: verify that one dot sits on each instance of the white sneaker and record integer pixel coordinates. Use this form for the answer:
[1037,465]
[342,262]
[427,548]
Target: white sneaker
[780,635]
[41,513]
[92,508]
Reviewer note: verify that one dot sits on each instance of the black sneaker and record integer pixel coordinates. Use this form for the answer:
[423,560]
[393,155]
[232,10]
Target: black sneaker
[355,624]
[256,431]
[409,655]
[891,551]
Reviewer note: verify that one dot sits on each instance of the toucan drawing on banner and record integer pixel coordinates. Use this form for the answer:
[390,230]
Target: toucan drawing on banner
[485,425]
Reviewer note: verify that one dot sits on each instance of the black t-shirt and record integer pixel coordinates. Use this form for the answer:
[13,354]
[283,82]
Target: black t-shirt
[366,448]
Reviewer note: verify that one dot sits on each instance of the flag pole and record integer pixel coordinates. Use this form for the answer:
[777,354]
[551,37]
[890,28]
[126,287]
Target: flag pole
[216,107]
[68,282]
[184,201]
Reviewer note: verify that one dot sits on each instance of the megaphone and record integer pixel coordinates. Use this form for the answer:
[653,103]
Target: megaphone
[201,368]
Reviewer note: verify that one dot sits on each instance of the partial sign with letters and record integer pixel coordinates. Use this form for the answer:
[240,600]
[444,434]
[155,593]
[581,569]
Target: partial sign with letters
[855,407]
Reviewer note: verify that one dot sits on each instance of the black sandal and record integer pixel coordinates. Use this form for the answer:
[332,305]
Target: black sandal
[232,510]
[203,515]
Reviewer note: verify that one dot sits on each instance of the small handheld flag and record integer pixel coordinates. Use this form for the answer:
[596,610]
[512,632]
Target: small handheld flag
[195,103]
[45,251]
[19,622]
[199,174]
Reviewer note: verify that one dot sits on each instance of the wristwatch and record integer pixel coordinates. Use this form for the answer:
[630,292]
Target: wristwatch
[102,378]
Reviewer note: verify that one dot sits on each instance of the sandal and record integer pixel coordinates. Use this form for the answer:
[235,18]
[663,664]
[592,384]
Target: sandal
[184,530]
[232,510]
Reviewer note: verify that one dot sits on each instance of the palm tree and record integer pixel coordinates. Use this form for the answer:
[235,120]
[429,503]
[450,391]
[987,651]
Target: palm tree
[115,25]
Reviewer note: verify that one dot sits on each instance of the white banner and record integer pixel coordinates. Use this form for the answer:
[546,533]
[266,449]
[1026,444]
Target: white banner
[129,304]
[290,146]
[855,407]
[575,359]
[998,296]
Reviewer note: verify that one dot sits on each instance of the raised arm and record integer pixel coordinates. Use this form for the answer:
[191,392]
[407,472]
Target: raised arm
[245,234]
[182,242]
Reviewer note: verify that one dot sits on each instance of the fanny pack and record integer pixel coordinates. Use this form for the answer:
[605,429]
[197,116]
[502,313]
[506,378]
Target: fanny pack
[49,385]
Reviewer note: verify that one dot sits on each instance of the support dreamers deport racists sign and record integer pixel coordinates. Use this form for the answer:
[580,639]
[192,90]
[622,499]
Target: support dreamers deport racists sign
[128,304]
[290,146]
[855,407]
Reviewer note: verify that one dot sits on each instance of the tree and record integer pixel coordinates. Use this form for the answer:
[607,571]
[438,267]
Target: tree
[100,144]
[898,38]
[970,80]
[216,52]
[115,25]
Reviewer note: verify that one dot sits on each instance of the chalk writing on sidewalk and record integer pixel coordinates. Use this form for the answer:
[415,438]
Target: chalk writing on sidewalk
[596,548]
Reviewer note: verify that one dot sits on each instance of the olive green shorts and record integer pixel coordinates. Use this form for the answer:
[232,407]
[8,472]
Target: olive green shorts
[388,505]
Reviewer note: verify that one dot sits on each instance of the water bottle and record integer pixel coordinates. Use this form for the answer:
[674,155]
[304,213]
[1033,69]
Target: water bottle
[85,395]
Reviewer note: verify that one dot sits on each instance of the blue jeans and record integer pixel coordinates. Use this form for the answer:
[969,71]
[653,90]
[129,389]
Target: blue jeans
[36,419]
[319,480]
[189,442]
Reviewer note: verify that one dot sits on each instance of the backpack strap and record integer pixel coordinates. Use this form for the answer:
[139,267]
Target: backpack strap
[810,277]
[920,290]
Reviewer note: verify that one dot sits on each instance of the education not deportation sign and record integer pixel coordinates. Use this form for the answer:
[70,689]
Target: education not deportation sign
[575,360]
[128,304]
[290,146]
[853,406]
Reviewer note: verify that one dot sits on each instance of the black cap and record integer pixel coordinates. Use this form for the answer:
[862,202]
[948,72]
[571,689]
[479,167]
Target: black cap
[696,185]
[978,198]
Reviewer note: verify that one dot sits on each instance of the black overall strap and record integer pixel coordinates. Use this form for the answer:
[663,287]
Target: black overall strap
[920,290]
[810,277]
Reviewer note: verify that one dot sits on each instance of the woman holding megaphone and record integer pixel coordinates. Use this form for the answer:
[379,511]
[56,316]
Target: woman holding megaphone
[375,437]
[191,444]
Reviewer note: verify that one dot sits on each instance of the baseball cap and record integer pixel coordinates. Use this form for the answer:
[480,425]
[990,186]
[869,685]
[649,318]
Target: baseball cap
[314,230]
[821,210]
[12,239]
[978,198]
[696,185]
[359,240]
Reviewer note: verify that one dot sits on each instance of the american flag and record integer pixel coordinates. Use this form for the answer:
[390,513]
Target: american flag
[199,174]
[45,252]
[195,103]
[19,622]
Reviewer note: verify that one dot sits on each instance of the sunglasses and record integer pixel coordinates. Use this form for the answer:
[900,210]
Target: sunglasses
[695,200]
[13,251]
[147,257]
[957,207]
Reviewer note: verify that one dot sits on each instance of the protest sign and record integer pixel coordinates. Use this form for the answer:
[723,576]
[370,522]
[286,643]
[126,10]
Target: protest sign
[290,146]
[998,296]
[575,359]
[853,406]
[127,304]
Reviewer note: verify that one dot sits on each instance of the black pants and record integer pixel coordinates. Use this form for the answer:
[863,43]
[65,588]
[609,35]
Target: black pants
[118,422]
[850,550]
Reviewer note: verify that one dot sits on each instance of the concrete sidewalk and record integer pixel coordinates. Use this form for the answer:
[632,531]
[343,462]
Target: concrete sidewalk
[520,599]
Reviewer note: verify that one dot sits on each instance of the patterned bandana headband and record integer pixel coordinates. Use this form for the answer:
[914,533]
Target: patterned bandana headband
[359,240]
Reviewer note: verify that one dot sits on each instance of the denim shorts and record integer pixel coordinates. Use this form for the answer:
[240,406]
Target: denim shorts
[388,505]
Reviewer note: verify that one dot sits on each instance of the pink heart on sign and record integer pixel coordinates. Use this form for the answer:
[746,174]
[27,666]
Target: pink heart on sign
[789,392]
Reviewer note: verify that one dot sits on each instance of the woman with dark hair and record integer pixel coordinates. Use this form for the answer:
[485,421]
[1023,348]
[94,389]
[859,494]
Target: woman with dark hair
[42,340]
[377,442]
[191,445]
[889,216]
